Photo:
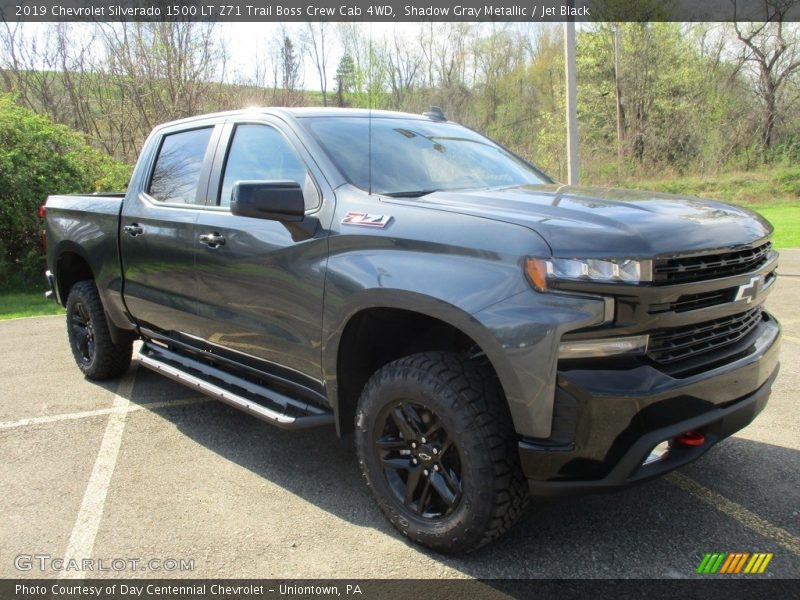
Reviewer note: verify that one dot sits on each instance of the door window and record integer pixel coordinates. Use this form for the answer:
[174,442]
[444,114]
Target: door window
[262,153]
[177,170]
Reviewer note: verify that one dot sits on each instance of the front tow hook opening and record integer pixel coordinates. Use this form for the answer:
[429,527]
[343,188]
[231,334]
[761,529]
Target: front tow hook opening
[693,439]
[687,439]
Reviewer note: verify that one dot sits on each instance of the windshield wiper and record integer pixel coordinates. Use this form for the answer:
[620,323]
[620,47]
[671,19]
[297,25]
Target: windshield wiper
[409,194]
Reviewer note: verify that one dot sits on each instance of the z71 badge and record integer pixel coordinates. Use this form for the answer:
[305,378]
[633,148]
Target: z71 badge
[366,220]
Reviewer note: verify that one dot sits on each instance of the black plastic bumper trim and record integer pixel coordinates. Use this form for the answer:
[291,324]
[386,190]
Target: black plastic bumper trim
[716,425]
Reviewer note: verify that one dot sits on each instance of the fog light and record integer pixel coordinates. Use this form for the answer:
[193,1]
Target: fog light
[604,347]
[658,453]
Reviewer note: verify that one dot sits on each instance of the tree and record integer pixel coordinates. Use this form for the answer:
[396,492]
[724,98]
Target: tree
[772,51]
[287,71]
[496,56]
[37,158]
[164,67]
[319,52]
[345,78]
[29,67]
[402,64]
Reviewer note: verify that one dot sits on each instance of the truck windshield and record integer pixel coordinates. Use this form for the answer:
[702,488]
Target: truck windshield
[414,157]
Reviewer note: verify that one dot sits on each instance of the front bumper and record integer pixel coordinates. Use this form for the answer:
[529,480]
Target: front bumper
[607,421]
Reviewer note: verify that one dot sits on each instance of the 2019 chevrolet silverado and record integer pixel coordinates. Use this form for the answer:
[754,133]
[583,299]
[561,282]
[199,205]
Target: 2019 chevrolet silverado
[483,332]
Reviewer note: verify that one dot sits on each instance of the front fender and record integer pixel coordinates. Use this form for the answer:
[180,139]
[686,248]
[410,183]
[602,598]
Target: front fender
[481,292]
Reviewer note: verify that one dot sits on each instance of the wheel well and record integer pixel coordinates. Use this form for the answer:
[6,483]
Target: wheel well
[71,269]
[377,336]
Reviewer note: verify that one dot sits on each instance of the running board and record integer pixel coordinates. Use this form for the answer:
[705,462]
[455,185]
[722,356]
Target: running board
[263,403]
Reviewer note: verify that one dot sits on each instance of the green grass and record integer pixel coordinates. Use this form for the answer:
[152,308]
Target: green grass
[15,304]
[786,220]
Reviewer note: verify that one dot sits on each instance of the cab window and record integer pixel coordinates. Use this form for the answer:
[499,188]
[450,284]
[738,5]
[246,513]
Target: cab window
[262,153]
[176,173]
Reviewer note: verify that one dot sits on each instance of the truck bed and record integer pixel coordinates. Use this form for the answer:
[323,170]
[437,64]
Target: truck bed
[88,226]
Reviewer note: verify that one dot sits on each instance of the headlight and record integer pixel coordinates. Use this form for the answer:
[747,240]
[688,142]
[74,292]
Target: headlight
[609,270]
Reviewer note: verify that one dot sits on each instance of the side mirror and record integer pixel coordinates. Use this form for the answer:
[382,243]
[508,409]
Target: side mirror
[274,200]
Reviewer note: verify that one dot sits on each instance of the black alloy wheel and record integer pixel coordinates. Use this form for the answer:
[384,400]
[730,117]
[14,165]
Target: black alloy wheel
[97,354]
[420,461]
[437,448]
[82,333]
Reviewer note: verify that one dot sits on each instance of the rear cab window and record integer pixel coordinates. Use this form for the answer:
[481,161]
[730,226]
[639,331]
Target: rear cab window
[176,173]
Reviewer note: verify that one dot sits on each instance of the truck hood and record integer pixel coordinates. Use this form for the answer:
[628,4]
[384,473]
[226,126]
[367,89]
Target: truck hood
[596,222]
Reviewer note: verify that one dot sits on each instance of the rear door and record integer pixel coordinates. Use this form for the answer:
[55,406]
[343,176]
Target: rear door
[157,233]
[260,282]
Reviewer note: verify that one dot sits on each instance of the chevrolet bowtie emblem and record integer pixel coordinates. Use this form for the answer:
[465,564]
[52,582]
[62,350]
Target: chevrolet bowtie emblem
[749,291]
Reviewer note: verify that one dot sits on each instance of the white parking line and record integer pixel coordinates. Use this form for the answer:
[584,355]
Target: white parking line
[101,411]
[84,532]
[737,512]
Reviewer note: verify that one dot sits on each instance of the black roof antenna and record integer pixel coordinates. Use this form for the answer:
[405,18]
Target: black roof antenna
[435,114]
[369,115]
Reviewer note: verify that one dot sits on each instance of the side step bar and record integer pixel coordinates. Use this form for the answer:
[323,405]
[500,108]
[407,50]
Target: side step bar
[269,405]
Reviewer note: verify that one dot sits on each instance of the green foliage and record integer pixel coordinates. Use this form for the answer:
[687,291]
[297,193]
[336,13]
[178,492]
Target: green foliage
[756,189]
[682,109]
[788,149]
[38,158]
[114,177]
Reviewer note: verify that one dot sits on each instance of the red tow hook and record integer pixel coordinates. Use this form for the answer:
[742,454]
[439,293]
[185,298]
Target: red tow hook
[691,438]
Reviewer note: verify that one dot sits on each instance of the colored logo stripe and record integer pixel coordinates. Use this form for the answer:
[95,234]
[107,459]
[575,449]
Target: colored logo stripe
[711,562]
[759,562]
[732,558]
[733,563]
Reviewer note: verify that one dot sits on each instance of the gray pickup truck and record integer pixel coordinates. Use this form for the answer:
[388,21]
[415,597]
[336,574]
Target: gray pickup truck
[483,332]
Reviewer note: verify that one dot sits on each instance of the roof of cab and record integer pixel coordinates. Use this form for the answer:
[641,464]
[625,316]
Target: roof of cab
[298,112]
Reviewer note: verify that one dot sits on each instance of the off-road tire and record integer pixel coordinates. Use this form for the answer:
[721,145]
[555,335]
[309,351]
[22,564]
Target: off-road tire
[465,398]
[96,354]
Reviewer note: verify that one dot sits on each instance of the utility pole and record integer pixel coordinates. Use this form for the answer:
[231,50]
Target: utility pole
[572,101]
[618,92]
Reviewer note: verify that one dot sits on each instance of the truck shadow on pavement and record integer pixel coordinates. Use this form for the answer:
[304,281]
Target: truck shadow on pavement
[653,530]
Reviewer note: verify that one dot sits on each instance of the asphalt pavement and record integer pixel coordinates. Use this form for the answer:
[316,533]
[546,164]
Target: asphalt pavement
[145,469]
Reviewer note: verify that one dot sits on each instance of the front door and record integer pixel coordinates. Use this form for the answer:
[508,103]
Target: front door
[260,282]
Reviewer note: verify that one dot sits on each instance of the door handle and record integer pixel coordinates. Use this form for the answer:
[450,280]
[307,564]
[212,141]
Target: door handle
[212,240]
[134,229]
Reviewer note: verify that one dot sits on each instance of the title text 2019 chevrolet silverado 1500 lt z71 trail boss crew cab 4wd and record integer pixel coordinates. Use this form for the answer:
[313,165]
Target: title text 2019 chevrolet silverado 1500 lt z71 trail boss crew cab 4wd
[481,330]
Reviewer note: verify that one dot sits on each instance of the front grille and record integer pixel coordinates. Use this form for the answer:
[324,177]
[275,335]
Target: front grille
[695,301]
[671,345]
[684,269]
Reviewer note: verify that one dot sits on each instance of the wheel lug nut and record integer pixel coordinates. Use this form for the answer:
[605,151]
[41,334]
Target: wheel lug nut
[435,467]
[425,472]
[435,451]
[413,444]
[422,440]
[414,460]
